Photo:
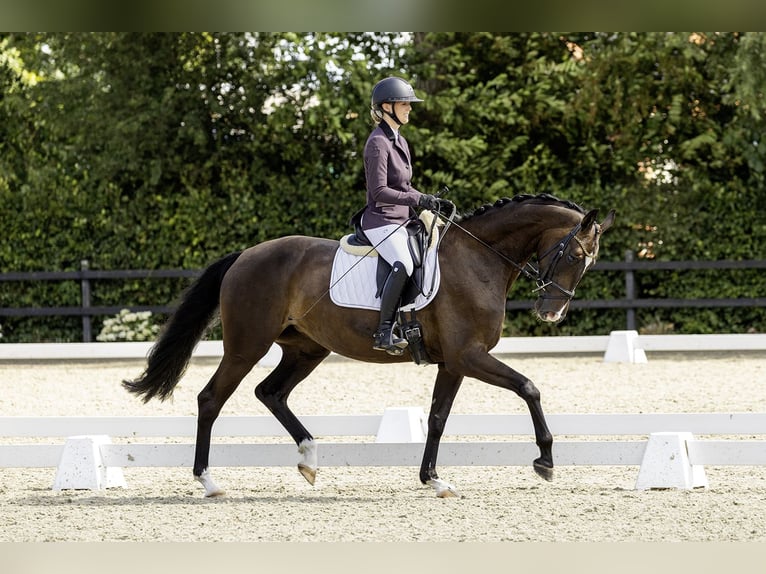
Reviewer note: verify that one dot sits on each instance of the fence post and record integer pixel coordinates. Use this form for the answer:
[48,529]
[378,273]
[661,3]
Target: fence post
[87,335]
[630,292]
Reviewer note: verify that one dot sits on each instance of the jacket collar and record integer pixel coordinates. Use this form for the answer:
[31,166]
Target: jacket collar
[387,130]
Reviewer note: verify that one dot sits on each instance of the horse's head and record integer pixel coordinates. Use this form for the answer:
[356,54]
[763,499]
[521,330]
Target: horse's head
[564,256]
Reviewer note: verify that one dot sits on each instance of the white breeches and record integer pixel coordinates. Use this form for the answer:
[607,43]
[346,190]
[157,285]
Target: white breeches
[391,243]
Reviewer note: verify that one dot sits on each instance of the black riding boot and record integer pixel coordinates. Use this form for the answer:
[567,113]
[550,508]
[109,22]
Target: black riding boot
[385,340]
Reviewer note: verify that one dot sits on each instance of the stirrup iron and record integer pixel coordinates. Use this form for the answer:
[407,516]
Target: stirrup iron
[386,340]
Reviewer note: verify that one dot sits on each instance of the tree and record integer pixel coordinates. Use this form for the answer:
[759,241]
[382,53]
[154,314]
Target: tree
[165,150]
[137,150]
[652,123]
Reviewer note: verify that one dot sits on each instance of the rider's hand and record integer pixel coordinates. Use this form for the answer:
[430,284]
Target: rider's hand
[429,202]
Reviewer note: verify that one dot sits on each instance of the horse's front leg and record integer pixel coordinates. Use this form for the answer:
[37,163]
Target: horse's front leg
[445,390]
[483,366]
[544,465]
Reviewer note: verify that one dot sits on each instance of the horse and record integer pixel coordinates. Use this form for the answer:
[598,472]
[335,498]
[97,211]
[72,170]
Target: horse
[276,292]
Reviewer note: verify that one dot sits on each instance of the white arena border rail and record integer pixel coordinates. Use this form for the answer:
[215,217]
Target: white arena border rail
[669,458]
[618,346]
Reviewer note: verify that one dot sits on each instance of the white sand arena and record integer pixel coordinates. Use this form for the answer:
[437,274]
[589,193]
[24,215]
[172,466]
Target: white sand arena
[390,504]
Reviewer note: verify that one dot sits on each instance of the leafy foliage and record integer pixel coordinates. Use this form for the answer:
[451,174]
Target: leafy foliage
[139,150]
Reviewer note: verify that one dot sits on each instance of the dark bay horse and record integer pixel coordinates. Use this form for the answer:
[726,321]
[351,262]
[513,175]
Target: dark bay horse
[276,291]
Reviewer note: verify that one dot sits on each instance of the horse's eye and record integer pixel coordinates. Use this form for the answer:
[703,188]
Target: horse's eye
[571,259]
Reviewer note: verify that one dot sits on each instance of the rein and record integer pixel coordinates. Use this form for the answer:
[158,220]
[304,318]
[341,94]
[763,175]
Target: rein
[529,270]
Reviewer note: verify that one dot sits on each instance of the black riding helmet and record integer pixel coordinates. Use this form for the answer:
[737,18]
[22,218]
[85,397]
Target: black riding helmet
[391,89]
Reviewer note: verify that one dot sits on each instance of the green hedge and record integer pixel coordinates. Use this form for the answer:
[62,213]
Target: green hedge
[160,151]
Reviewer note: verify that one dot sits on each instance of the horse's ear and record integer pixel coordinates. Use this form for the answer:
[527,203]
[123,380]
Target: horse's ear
[589,219]
[607,223]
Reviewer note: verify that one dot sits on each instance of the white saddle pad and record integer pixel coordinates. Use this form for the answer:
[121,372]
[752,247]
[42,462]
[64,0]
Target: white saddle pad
[353,282]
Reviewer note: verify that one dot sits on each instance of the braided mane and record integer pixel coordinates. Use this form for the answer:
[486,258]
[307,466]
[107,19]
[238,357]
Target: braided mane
[540,198]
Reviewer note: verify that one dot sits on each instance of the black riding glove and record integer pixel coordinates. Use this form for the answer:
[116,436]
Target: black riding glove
[429,202]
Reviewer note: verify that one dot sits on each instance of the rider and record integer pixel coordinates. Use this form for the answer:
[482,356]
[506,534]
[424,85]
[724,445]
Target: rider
[390,195]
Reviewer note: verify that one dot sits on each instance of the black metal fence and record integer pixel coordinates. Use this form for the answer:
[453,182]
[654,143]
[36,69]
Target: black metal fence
[630,302]
[85,276]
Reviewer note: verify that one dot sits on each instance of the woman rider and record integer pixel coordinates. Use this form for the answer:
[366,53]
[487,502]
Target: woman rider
[390,195]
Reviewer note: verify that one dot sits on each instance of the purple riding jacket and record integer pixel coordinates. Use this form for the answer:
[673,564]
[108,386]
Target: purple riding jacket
[388,171]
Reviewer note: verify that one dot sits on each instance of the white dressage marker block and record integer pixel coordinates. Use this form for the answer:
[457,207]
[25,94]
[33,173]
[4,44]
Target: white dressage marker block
[622,348]
[403,424]
[666,463]
[82,468]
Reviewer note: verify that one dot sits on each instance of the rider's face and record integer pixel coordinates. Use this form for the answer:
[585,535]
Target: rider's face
[400,109]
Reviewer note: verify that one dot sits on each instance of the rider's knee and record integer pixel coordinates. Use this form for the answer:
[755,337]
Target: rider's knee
[407,266]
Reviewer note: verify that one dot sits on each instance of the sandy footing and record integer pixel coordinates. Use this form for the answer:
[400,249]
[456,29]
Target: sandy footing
[389,504]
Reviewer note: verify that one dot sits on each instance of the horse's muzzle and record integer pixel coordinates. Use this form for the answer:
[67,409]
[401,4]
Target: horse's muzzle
[551,310]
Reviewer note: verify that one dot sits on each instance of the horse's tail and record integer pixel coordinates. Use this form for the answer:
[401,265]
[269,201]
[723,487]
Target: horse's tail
[170,355]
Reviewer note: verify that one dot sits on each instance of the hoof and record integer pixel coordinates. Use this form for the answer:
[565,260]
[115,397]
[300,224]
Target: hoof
[211,488]
[308,473]
[448,493]
[443,489]
[545,472]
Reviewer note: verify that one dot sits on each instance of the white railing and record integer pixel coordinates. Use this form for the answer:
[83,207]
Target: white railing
[618,346]
[370,425]
[399,434]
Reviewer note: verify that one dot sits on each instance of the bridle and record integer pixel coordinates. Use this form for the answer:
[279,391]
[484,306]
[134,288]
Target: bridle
[543,281]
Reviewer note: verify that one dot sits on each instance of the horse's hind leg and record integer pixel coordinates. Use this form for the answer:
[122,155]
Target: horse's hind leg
[230,372]
[299,358]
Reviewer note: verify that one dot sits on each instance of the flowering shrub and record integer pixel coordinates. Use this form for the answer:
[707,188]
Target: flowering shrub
[129,326]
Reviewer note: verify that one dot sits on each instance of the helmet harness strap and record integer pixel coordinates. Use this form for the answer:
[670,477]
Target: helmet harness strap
[392,113]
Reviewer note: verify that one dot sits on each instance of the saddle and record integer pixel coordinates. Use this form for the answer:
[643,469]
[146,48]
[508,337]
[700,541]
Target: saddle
[420,239]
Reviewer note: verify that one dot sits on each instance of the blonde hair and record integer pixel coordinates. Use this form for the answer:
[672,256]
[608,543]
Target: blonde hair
[376,114]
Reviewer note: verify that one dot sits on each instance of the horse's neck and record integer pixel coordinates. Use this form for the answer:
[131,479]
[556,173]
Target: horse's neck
[515,231]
